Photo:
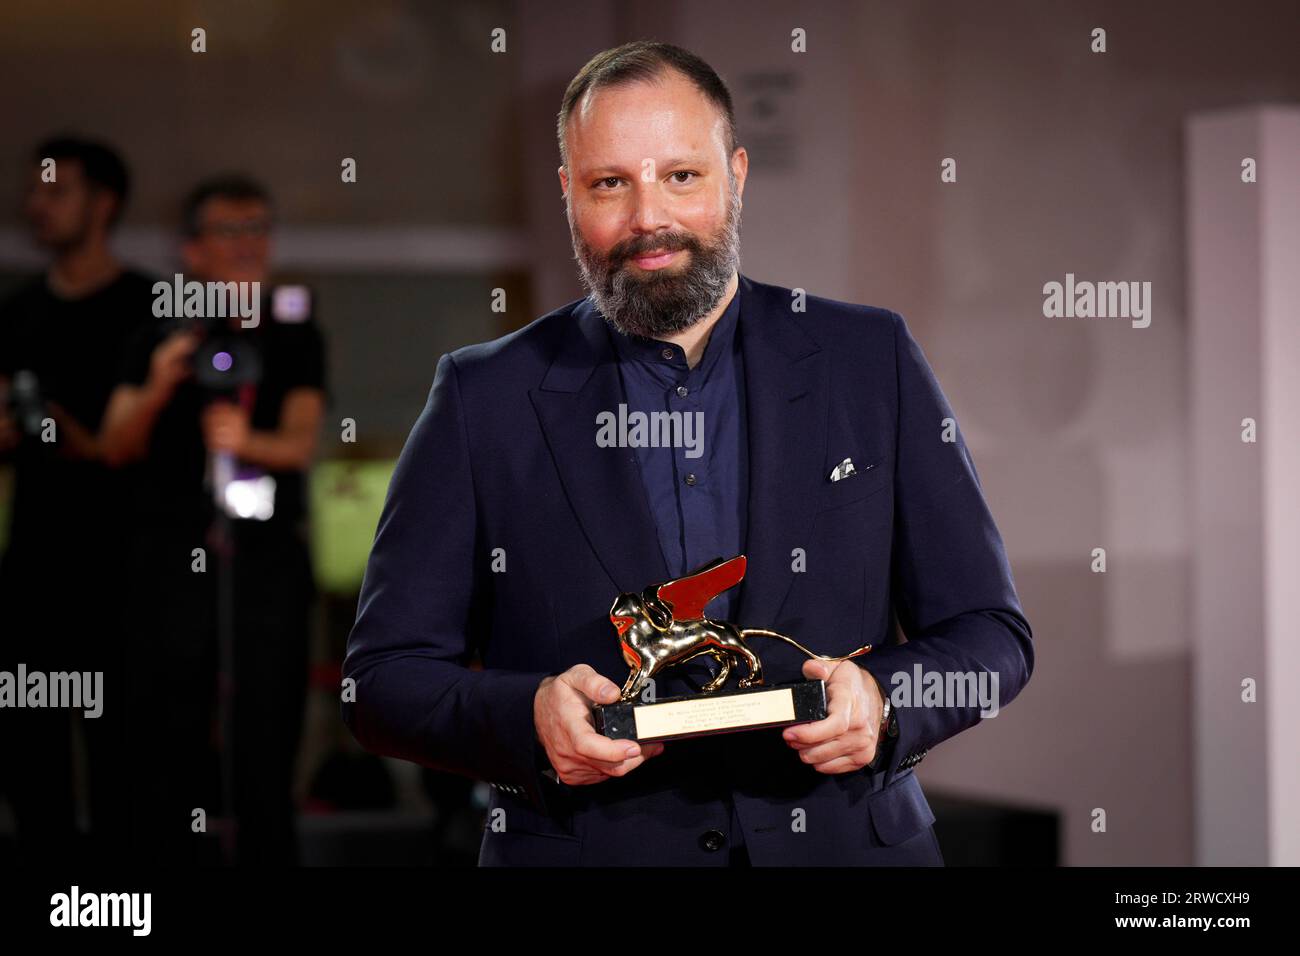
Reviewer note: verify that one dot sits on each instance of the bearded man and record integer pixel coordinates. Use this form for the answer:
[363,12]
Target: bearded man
[511,523]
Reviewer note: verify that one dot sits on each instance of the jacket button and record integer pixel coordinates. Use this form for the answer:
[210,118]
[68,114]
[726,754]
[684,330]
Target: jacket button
[712,840]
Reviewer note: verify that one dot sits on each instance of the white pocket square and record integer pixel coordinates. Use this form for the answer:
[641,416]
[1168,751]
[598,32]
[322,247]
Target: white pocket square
[843,470]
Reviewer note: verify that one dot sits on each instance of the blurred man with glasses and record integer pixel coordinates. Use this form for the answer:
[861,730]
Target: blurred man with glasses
[221,463]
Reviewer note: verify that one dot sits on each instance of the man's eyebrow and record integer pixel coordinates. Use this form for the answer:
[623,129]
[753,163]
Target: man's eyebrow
[601,171]
[686,161]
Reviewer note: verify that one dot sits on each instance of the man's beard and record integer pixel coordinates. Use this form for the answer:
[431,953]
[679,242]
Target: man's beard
[661,302]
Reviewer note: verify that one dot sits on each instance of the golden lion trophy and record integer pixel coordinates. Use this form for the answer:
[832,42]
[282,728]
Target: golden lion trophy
[664,626]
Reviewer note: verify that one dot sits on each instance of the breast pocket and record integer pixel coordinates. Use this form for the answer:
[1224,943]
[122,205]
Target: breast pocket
[865,482]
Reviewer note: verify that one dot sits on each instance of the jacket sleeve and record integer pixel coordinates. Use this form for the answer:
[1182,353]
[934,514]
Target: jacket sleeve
[951,582]
[418,621]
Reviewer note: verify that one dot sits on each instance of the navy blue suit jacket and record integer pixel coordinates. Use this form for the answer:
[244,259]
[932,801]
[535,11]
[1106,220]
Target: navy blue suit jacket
[504,456]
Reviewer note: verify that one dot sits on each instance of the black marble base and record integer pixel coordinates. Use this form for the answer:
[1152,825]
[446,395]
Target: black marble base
[724,712]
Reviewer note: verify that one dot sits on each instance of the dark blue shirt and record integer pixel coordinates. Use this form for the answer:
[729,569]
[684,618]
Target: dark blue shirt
[698,488]
[698,491]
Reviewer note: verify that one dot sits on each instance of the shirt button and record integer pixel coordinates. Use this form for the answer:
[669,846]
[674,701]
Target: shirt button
[712,840]
[690,479]
[667,353]
[682,391]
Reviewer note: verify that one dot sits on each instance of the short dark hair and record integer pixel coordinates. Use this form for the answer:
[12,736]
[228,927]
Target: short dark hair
[101,165]
[234,186]
[642,61]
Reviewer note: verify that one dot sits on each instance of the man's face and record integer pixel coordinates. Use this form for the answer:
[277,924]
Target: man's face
[62,214]
[653,203]
[234,241]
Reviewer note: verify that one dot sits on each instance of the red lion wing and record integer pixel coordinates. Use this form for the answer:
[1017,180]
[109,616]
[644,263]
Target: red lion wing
[687,596]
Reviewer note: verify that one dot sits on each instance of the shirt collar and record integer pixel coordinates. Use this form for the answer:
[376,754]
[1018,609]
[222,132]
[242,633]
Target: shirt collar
[661,354]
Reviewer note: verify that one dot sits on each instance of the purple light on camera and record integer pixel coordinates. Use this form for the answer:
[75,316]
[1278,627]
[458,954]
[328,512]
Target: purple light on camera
[222,361]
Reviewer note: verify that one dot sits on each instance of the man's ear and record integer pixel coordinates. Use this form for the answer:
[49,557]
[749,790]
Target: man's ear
[564,181]
[105,206]
[740,166]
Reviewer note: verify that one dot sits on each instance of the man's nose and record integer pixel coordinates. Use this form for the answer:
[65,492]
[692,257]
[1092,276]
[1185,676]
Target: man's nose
[648,213]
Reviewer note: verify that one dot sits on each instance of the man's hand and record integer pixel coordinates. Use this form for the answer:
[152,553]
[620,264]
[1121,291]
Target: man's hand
[225,427]
[847,739]
[562,715]
[169,364]
[74,439]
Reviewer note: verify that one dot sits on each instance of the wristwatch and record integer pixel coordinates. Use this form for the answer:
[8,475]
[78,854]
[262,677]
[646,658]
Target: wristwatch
[888,731]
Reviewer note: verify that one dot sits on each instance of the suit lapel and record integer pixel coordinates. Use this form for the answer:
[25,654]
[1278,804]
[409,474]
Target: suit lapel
[787,396]
[603,485]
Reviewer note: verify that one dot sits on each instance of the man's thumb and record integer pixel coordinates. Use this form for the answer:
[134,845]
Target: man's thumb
[601,689]
[817,670]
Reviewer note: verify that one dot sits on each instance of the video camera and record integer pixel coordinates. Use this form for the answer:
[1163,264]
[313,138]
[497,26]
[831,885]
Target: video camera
[226,359]
[27,404]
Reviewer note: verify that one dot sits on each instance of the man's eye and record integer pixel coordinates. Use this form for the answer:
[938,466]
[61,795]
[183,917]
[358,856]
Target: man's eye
[608,179]
[683,172]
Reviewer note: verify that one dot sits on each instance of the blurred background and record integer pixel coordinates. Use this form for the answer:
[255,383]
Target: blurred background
[1115,166]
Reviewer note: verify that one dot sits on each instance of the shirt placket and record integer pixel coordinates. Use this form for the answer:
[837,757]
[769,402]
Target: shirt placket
[694,475]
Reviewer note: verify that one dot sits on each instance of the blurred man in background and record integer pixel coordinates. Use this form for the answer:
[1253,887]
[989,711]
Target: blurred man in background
[62,337]
[197,444]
